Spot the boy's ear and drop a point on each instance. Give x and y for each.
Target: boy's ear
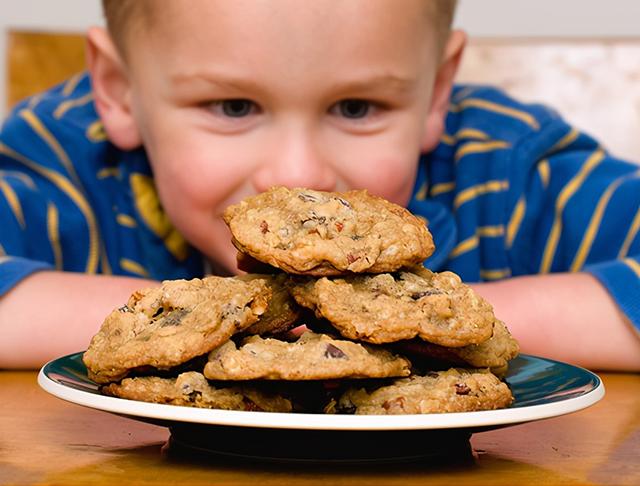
(443, 84)
(111, 89)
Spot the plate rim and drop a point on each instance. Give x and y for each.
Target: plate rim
(315, 421)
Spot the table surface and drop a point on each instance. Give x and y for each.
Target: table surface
(45, 440)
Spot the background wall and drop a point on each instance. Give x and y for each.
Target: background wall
(580, 56)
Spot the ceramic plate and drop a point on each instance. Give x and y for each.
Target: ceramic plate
(542, 389)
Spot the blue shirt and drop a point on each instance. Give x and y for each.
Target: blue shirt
(510, 190)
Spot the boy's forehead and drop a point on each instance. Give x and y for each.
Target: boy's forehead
(278, 23)
(177, 15)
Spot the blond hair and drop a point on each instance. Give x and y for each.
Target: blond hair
(124, 15)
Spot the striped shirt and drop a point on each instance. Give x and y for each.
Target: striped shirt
(510, 190)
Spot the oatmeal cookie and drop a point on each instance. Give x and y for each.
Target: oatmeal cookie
(436, 307)
(283, 310)
(494, 353)
(454, 390)
(302, 231)
(191, 389)
(165, 326)
(311, 357)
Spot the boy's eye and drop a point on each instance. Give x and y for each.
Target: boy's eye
(235, 108)
(354, 108)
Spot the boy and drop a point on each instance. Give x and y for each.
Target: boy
(230, 98)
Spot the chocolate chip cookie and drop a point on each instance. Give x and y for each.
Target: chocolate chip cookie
(191, 389)
(283, 311)
(384, 308)
(308, 232)
(454, 390)
(165, 326)
(494, 353)
(311, 357)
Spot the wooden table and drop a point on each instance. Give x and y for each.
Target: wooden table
(44, 440)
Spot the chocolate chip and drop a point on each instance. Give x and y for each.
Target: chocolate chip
(307, 197)
(158, 312)
(343, 202)
(462, 389)
(424, 293)
(394, 403)
(334, 352)
(173, 318)
(352, 258)
(124, 308)
(264, 227)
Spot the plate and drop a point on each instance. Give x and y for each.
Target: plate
(542, 389)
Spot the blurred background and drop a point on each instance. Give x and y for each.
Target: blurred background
(580, 56)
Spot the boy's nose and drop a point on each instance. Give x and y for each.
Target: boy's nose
(295, 160)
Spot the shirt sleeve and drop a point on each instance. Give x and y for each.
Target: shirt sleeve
(580, 211)
(42, 225)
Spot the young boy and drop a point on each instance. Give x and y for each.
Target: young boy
(210, 101)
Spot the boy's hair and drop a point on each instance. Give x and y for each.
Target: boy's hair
(123, 15)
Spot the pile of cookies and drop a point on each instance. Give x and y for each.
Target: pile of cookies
(336, 315)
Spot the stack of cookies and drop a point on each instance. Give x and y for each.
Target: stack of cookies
(342, 318)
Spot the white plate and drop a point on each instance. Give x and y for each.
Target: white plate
(542, 388)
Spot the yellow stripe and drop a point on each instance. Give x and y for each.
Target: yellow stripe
(490, 231)
(126, 220)
(594, 224)
(478, 147)
(495, 274)
(38, 127)
(28, 181)
(34, 100)
(65, 186)
(421, 195)
(570, 189)
(471, 133)
(464, 133)
(464, 246)
(96, 132)
(133, 267)
(496, 108)
(515, 221)
(106, 268)
(631, 235)
(544, 172)
(13, 201)
(441, 188)
(108, 172)
(479, 190)
(564, 141)
(71, 84)
(448, 139)
(634, 265)
(54, 235)
(68, 104)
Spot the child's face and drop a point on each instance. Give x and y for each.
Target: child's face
(231, 98)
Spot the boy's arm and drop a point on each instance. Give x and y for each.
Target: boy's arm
(566, 316)
(50, 314)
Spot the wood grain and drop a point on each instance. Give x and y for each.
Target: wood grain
(44, 440)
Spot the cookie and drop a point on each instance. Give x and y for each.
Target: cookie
(311, 357)
(454, 390)
(494, 353)
(308, 232)
(384, 308)
(192, 390)
(283, 311)
(165, 326)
